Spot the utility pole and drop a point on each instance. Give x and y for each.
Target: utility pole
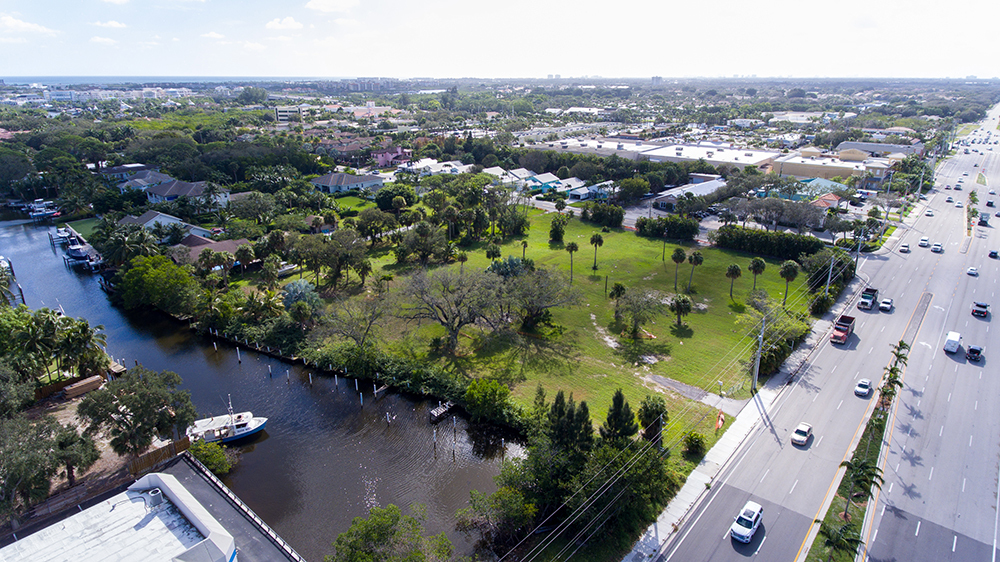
(760, 348)
(829, 275)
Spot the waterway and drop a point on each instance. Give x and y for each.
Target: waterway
(325, 458)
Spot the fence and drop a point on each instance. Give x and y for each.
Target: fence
(156, 456)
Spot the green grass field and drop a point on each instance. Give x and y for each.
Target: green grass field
(586, 353)
(84, 227)
(981, 179)
(354, 203)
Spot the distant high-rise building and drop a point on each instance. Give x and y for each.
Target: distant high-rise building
(550, 77)
(657, 80)
(970, 77)
(558, 76)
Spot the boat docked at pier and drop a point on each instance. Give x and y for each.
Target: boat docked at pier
(226, 428)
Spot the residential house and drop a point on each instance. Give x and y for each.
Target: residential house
(126, 171)
(337, 182)
(599, 191)
(391, 156)
(191, 248)
(150, 219)
(171, 190)
(143, 180)
(545, 182)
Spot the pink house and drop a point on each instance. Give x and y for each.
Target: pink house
(392, 156)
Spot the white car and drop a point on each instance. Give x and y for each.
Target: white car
(802, 434)
(950, 199)
(904, 248)
(885, 305)
(864, 388)
(924, 242)
(958, 203)
(747, 522)
(928, 213)
(972, 271)
(937, 248)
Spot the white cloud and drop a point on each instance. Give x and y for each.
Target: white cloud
(110, 23)
(12, 40)
(103, 40)
(10, 23)
(213, 35)
(346, 22)
(253, 46)
(332, 5)
(116, 1)
(279, 38)
(287, 23)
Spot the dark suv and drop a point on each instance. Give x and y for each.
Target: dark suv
(980, 309)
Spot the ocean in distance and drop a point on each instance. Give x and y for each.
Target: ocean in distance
(109, 80)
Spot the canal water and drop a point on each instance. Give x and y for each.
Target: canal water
(325, 458)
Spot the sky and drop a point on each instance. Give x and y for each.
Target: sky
(499, 39)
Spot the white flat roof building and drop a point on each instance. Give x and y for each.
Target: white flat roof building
(714, 155)
(155, 520)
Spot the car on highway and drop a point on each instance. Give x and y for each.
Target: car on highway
(950, 199)
(928, 213)
(863, 388)
(990, 203)
(885, 305)
(958, 187)
(747, 522)
(993, 192)
(937, 248)
(980, 309)
(994, 254)
(904, 248)
(958, 203)
(802, 434)
(965, 173)
(972, 271)
(974, 353)
(924, 242)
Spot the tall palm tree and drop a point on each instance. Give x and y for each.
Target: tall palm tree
(757, 266)
(695, 259)
(596, 240)
(6, 281)
(789, 271)
(844, 539)
(899, 354)
(678, 257)
(680, 305)
(524, 248)
(862, 473)
(571, 248)
(733, 272)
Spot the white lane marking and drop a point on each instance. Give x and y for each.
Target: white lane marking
(883, 511)
(917, 533)
(817, 396)
(834, 368)
(918, 403)
(818, 442)
(963, 485)
(956, 368)
(897, 467)
(970, 440)
(874, 536)
(941, 431)
(841, 404)
(882, 330)
(931, 475)
(977, 405)
(949, 397)
(890, 488)
(793, 487)
(870, 351)
(954, 541)
(760, 545)
(765, 475)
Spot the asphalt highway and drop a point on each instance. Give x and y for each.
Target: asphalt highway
(941, 471)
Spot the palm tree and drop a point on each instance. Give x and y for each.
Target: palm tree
(695, 260)
(862, 473)
(571, 247)
(617, 292)
(363, 268)
(524, 248)
(493, 252)
(844, 539)
(757, 266)
(899, 354)
(680, 305)
(596, 240)
(678, 257)
(6, 280)
(789, 271)
(244, 255)
(733, 272)
(461, 258)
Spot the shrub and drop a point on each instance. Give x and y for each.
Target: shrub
(671, 226)
(694, 444)
(782, 245)
(212, 456)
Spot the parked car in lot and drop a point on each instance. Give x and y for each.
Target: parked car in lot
(747, 522)
(802, 434)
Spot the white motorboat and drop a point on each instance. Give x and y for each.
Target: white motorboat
(227, 427)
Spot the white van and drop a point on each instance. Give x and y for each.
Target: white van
(952, 341)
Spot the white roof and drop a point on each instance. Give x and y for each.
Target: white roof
(710, 153)
(545, 178)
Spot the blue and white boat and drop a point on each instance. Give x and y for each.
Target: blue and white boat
(226, 428)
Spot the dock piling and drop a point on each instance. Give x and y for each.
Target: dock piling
(239, 359)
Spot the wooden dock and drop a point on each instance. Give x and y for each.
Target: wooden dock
(441, 411)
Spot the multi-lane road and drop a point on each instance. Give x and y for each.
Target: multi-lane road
(941, 470)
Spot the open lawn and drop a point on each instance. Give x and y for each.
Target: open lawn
(354, 203)
(84, 227)
(585, 352)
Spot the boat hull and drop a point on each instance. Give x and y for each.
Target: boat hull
(246, 434)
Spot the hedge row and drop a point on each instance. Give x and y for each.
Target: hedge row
(672, 227)
(780, 245)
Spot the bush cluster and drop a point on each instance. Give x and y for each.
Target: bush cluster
(672, 227)
(781, 245)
